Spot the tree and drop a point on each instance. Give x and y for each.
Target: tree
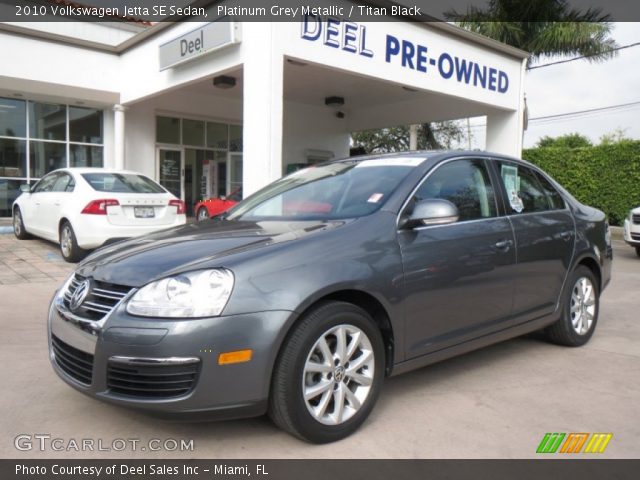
(619, 135)
(543, 28)
(431, 136)
(571, 140)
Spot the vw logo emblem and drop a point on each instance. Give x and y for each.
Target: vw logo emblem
(79, 295)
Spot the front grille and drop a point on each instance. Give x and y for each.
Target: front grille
(636, 218)
(151, 381)
(75, 363)
(102, 299)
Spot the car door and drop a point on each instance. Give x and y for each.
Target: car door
(34, 215)
(55, 200)
(544, 230)
(458, 278)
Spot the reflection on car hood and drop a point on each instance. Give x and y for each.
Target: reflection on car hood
(140, 260)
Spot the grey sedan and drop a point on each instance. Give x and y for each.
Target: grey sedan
(302, 298)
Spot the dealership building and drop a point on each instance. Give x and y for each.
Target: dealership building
(207, 107)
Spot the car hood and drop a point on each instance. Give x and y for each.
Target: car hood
(140, 260)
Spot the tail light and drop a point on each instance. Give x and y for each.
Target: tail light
(99, 207)
(180, 205)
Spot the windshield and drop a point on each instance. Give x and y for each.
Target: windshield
(122, 183)
(337, 190)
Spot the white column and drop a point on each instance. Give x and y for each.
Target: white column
(506, 129)
(118, 136)
(413, 137)
(262, 106)
(504, 133)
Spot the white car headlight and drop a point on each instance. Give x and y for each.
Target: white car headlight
(202, 293)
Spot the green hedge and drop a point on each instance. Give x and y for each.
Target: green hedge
(605, 176)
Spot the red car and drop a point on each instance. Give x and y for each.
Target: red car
(215, 206)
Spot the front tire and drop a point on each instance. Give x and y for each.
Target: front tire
(69, 248)
(638, 251)
(580, 310)
(329, 373)
(18, 226)
(203, 214)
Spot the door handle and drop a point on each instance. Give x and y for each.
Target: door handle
(565, 236)
(504, 245)
(57, 204)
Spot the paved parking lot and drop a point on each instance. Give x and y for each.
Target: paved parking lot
(494, 403)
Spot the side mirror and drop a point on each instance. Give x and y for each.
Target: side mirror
(433, 211)
(25, 188)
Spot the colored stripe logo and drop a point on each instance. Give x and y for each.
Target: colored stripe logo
(574, 442)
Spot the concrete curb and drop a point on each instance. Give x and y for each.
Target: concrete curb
(5, 230)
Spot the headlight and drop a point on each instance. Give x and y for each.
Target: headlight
(203, 293)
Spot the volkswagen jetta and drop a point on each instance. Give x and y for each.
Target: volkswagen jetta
(303, 297)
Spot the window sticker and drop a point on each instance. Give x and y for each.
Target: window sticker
(375, 198)
(511, 182)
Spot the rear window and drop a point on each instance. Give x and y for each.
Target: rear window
(122, 183)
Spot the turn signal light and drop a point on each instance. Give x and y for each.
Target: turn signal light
(99, 207)
(239, 356)
(180, 205)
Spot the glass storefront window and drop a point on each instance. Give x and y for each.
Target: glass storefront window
(9, 191)
(168, 130)
(217, 135)
(85, 125)
(235, 138)
(46, 157)
(85, 156)
(193, 132)
(13, 158)
(13, 117)
(47, 121)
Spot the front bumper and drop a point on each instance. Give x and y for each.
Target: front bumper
(631, 233)
(218, 391)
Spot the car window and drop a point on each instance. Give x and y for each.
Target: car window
(46, 184)
(525, 193)
(64, 183)
(555, 199)
(466, 184)
(122, 183)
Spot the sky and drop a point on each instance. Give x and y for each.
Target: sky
(583, 85)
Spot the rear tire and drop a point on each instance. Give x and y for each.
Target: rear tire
(18, 225)
(329, 373)
(203, 214)
(581, 304)
(69, 248)
(638, 251)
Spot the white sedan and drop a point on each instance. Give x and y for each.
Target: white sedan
(85, 208)
(632, 229)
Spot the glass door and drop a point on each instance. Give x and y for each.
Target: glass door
(170, 170)
(235, 172)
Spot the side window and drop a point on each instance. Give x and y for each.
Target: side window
(46, 184)
(64, 183)
(555, 199)
(466, 184)
(524, 191)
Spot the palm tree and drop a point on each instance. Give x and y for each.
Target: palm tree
(543, 28)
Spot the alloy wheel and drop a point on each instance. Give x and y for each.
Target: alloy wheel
(338, 374)
(65, 241)
(583, 305)
(17, 223)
